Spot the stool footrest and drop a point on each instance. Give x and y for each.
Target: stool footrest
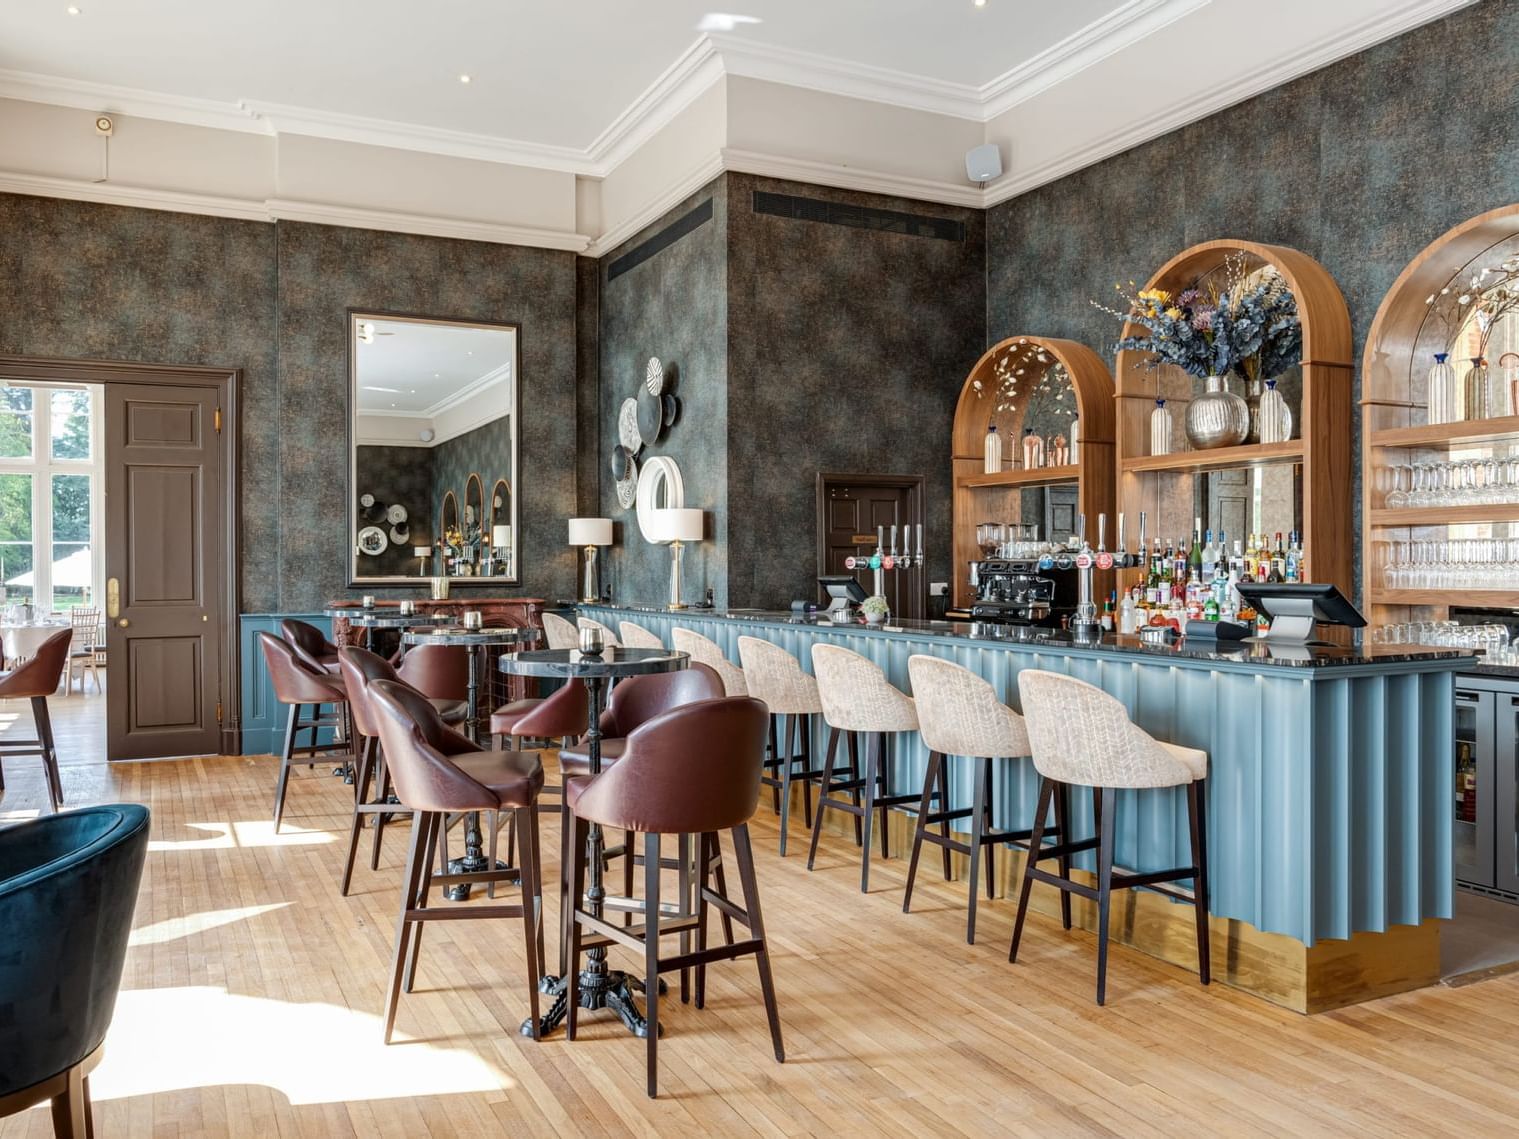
(463, 913)
(628, 936)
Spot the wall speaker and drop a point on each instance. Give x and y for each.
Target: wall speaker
(983, 163)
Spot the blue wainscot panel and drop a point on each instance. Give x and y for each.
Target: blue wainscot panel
(263, 717)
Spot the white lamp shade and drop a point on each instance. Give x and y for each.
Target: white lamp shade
(683, 524)
(590, 531)
(421, 551)
(501, 535)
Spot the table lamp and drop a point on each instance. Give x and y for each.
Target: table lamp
(588, 533)
(501, 544)
(677, 526)
(421, 553)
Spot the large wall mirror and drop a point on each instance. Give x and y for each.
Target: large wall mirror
(433, 420)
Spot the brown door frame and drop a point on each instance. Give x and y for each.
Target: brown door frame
(913, 484)
(228, 382)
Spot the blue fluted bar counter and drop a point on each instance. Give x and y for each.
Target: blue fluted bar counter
(1329, 790)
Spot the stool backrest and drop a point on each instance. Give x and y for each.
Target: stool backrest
(308, 642)
(638, 699)
(856, 695)
(608, 637)
(439, 671)
(1079, 734)
(418, 746)
(564, 712)
(295, 681)
(559, 633)
(705, 650)
(359, 668)
(959, 712)
(692, 770)
(776, 677)
(40, 674)
(635, 636)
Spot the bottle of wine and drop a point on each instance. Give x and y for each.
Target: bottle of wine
(1195, 554)
(1210, 558)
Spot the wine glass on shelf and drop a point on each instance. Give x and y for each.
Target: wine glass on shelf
(1402, 476)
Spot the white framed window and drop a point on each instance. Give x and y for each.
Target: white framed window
(52, 494)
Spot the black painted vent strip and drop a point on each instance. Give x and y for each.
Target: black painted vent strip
(859, 217)
(662, 240)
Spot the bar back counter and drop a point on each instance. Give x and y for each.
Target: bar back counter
(1329, 822)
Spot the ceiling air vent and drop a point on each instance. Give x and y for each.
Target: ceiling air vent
(859, 217)
(660, 241)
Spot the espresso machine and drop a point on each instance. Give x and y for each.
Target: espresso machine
(1016, 591)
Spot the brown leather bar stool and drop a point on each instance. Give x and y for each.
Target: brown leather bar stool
(694, 770)
(1081, 735)
(310, 644)
(959, 715)
(561, 715)
(36, 680)
(359, 668)
(301, 686)
(775, 676)
(438, 772)
(858, 700)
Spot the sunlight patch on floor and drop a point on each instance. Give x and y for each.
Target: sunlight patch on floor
(247, 833)
(171, 928)
(166, 1039)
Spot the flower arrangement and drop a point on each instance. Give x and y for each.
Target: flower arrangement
(875, 608)
(1028, 368)
(1478, 301)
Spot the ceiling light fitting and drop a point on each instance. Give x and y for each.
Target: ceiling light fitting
(464, 78)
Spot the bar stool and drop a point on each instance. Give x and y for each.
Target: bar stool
(559, 633)
(359, 668)
(694, 770)
(301, 686)
(635, 636)
(857, 698)
(959, 715)
(705, 651)
(310, 644)
(1081, 735)
(439, 772)
(36, 680)
(608, 637)
(776, 677)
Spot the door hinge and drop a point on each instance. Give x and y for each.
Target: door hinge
(218, 421)
(218, 711)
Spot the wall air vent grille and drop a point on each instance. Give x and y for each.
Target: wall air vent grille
(662, 240)
(858, 217)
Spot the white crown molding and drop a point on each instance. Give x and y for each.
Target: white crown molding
(682, 189)
(497, 376)
(677, 87)
(82, 95)
(1351, 40)
(851, 178)
(142, 197)
(321, 213)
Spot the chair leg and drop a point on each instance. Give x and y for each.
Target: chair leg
(783, 791)
(705, 845)
(980, 768)
(361, 782)
(805, 731)
(1104, 887)
(416, 859)
(382, 794)
(577, 891)
(438, 824)
(1046, 790)
(566, 877)
(823, 794)
(532, 909)
(872, 772)
(1197, 816)
(930, 776)
(853, 739)
(944, 826)
(293, 724)
(775, 753)
(651, 955)
(71, 1108)
(683, 876)
(884, 753)
(1063, 836)
(744, 852)
(49, 752)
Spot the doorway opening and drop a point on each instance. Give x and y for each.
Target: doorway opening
(853, 509)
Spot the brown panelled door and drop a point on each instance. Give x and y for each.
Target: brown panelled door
(851, 508)
(164, 583)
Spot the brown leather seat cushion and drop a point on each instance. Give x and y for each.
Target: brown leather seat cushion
(505, 718)
(577, 760)
(452, 711)
(514, 777)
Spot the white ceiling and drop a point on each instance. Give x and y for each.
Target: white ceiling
(427, 365)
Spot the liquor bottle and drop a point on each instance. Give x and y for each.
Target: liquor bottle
(1279, 560)
(1128, 612)
(1294, 558)
(1210, 608)
(1107, 613)
(1210, 558)
(1195, 554)
(1179, 567)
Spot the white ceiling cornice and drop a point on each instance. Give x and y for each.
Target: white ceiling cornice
(84, 96)
(677, 87)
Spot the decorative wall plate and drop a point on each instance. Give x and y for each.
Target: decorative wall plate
(372, 541)
(672, 409)
(659, 486)
(400, 535)
(622, 463)
(396, 514)
(627, 487)
(654, 376)
(627, 426)
(651, 416)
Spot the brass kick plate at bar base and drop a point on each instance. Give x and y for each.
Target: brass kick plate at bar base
(112, 598)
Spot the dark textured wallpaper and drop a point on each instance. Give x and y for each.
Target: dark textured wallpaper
(673, 305)
(400, 476)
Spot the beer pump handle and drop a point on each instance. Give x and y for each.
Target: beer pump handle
(1143, 545)
(880, 537)
(893, 550)
(1081, 530)
(1123, 538)
(1102, 532)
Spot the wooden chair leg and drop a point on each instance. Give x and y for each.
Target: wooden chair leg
(943, 789)
(566, 877)
(1197, 817)
(71, 1108)
(683, 879)
(886, 748)
(651, 955)
(416, 859)
(823, 795)
(930, 776)
(532, 909)
(1046, 790)
(775, 753)
(805, 731)
(872, 772)
(744, 853)
(1104, 888)
(1063, 836)
(49, 752)
(292, 726)
(783, 791)
(705, 844)
(979, 768)
(361, 781)
(382, 795)
(854, 777)
(438, 824)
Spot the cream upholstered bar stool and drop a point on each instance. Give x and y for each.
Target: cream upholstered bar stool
(559, 633)
(704, 650)
(859, 700)
(776, 677)
(608, 637)
(1081, 735)
(959, 714)
(635, 636)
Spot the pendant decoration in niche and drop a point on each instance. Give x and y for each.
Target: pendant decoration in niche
(643, 419)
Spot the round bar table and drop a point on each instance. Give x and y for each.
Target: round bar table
(371, 619)
(477, 641)
(599, 987)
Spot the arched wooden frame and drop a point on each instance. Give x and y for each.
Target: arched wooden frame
(474, 495)
(1395, 427)
(501, 504)
(1093, 474)
(1323, 446)
(448, 518)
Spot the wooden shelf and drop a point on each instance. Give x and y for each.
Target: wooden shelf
(1482, 598)
(1040, 476)
(1443, 515)
(1247, 455)
(1501, 429)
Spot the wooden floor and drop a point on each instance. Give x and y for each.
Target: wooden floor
(252, 993)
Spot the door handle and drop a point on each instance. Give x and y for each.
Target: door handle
(112, 598)
(123, 623)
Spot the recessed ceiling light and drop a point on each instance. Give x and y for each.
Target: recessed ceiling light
(74, 10)
(979, 3)
(464, 79)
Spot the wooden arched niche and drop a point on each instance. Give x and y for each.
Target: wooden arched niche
(1165, 486)
(982, 497)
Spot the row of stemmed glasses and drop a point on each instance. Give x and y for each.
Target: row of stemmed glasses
(1457, 482)
(1451, 563)
(1490, 639)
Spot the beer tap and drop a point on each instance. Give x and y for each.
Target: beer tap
(1084, 625)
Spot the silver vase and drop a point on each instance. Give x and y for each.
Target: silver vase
(1217, 418)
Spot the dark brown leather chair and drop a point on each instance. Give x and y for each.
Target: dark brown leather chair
(358, 668)
(310, 644)
(438, 671)
(635, 701)
(694, 770)
(438, 772)
(36, 680)
(302, 687)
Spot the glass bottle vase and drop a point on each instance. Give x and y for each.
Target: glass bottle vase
(1160, 429)
(1275, 416)
(1217, 418)
(992, 464)
(1473, 393)
(1253, 402)
(1440, 394)
(1499, 398)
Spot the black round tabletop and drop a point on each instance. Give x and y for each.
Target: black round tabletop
(610, 662)
(390, 619)
(500, 636)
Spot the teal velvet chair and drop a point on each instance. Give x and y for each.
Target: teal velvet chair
(68, 886)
